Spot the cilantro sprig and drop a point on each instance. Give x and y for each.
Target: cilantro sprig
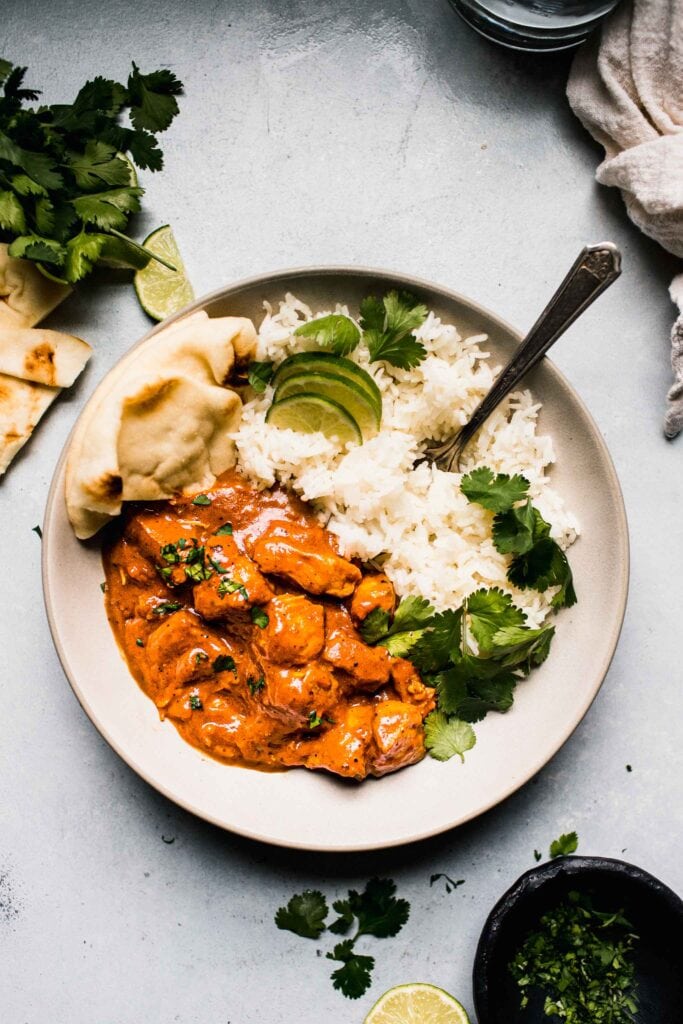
(67, 190)
(538, 561)
(376, 911)
(388, 325)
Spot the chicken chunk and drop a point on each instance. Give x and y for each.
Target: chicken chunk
(156, 532)
(236, 584)
(373, 592)
(295, 632)
(410, 687)
(345, 650)
(299, 697)
(398, 737)
(183, 651)
(304, 555)
(342, 748)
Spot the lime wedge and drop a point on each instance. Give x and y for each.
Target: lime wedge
(325, 362)
(417, 1004)
(162, 291)
(342, 390)
(309, 413)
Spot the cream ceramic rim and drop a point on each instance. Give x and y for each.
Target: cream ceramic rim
(355, 818)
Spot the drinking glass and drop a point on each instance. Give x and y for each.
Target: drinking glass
(534, 24)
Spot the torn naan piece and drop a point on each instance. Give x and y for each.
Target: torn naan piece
(159, 423)
(41, 356)
(26, 296)
(22, 403)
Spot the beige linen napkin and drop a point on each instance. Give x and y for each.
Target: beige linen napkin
(626, 87)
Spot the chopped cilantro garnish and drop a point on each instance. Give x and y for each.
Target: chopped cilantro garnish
(196, 702)
(388, 329)
(537, 855)
(166, 607)
(224, 663)
(230, 587)
(103, 586)
(201, 499)
(255, 685)
(259, 618)
(578, 963)
(565, 844)
(37, 529)
(224, 531)
(314, 720)
(451, 886)
(200, 656)
(496, 492)
(140, 642)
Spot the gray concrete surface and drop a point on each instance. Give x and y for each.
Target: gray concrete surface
(328, 131)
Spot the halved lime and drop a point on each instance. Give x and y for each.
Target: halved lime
(417, 1004)
(343, 390)
(162, 291)
(308, 413)
(325, 362)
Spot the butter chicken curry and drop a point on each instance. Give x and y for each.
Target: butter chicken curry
(238, 618)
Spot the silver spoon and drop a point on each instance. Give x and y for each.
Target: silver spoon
(596, 267)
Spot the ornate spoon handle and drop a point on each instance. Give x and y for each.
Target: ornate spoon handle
(595, 269)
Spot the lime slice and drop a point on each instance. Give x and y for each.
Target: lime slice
(417, 1004)
(162, 291)
(342, 390)
(307, 413)
(325, 362)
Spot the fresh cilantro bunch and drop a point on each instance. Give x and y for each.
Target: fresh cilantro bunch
(67, 190)
(375, 911)
(538, 561)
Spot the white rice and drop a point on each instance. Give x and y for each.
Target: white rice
(429, 539)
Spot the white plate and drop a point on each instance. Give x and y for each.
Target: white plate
(313, 810)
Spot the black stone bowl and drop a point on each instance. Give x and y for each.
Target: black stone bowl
(654, 910)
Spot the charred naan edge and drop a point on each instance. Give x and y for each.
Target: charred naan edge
(26, 296)
(45, 357)
(22, 403)
(159, 423)
(34, 364)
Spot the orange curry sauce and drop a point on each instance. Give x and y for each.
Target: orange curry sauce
(239, 619)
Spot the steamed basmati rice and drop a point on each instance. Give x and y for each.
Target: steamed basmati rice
(414, 522)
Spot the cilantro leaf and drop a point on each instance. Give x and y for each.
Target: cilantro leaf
(304, 914)
(224, 531)
(354, 978)
(375, 626)
(152, 98)
(12, 217)
(345, 919)
(41, 167)
(496, 492)
(259, 375)
(545, 565)
(513, 531)
(446, 737)
(35, 247)
(435, 648)
(335, 333)
(519, 644)
(224, 663)
(487, 612)
(567, 843)
(400, 645)
(99, 165)
(412, 613)
(389, 335)
(259, 617)
(108, 209)
(82, 253)
(378, 910)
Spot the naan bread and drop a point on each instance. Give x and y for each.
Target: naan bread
(34, 364)
(45, 357)
(159, 423)
(26, 296)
